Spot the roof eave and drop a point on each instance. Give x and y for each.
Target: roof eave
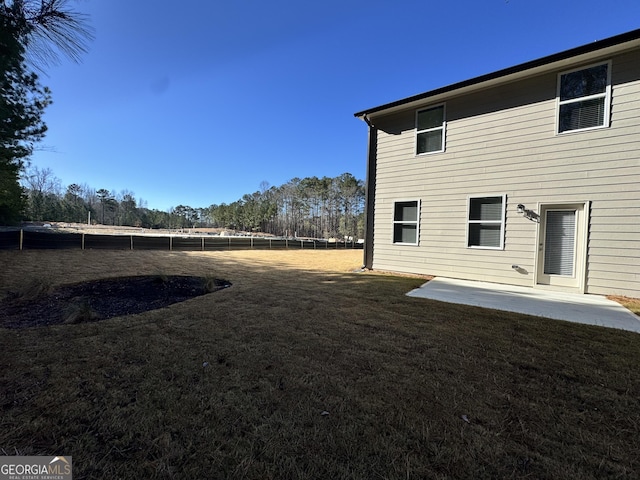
(576, 55)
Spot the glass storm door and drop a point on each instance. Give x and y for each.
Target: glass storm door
(560, 246)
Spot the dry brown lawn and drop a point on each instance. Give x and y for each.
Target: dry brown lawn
(633, 304)
(307, 369)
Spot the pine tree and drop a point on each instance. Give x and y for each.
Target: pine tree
(22, 103)
(42, 30)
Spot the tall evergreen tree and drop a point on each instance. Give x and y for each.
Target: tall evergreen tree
(22, 103)
(44, 29)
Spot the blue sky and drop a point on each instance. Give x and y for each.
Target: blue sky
(199, 101)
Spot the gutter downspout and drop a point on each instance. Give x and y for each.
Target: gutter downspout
(370, 186)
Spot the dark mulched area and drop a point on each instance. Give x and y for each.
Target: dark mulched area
(102, 299)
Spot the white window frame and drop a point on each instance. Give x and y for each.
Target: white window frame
(404, 222)
(501, 222)
(606, 95)
(442, 127)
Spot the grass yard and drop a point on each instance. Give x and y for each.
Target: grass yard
(305, 369)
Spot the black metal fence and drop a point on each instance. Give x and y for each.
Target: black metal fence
(35, 240)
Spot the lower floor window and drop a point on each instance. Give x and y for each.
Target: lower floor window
(486, 222)
(405, 222)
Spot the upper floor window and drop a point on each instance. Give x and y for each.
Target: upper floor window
(485, 223)
(430, 129)
(584, 97)
(405, 222)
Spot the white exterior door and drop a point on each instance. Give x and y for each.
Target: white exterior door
(562, 246)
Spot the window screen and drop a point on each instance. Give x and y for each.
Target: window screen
(405, 222)
(486, 222)
(584, 98)
(430, 130)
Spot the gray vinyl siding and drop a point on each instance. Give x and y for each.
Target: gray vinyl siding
(503, 141)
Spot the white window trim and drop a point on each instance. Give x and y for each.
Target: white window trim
(443, 128)
(398, 222)
(502, 220)
(606, 95)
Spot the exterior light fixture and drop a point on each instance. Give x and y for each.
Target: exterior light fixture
(521, 208)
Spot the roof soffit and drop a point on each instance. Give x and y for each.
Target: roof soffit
(493, 80)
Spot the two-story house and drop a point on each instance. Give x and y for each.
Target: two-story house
(527, 176)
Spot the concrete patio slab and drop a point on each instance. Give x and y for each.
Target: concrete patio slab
(588, 309)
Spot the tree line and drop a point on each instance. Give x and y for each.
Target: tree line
(309, 207)
(35, 34)
(327, 207)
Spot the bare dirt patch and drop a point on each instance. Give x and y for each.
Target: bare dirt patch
(96, 300)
